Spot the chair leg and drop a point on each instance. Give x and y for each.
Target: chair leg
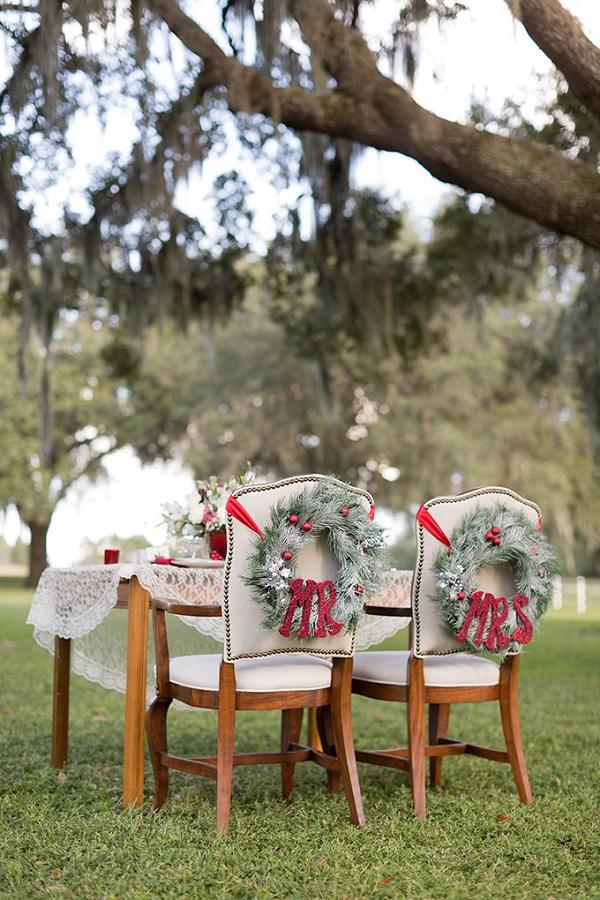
(439, 714)
(341, 711)
(156, 731)
(509, 713)
(416, 734)
(291, 725)
(225, 738)
(314, 737)
(328, 743)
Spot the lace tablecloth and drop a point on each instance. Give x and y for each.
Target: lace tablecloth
(78, 603)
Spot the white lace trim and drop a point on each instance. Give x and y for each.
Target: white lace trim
(78, 603)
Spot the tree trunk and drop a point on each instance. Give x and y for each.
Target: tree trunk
(535, 180)
(560, 35)
(38, 560)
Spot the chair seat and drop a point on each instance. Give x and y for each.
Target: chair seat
(457, 670)
(282, 672)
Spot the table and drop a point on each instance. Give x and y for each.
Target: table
(71, 617)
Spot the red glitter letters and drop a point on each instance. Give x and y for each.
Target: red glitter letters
(302, 597)
(492, 636)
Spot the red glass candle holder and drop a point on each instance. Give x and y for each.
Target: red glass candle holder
(217, 541)
(111, 556)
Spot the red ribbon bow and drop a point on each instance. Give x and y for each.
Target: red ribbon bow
(235, 509)
(425, 519)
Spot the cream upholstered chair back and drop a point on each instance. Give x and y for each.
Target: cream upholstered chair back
(431, 636)
(245, 635)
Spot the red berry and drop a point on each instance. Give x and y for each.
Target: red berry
(489, 536)
(293, 519)
(359, 589)
(307, 526)
(460, 595)
(215, 555)
(495, 530)
(344, 511)
(287, 555)
(497, 542)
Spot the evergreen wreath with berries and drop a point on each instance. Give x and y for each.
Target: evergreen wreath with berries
(355, 541)
(494, 536)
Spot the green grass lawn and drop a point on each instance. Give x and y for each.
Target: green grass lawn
(64, 834)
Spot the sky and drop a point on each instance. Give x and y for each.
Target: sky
(485, 57)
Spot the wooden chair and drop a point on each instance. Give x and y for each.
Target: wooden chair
(436, 673)
(259, 670)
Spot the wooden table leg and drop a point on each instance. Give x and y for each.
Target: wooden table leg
(60, 702)
(135, 694)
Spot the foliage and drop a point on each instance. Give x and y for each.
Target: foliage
(97, 403)
(484, 405)
(484, 398)
(127, 219)
(505, 249)
(65, 833)
(581, 328)
(85, 417)
(343, 271)
(357, 289)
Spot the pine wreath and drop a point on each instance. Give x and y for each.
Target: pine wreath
(494, 536)
(354, 539)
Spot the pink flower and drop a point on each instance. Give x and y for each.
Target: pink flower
(207, 517)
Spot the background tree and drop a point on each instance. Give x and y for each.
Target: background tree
(478, 395)
(302, 93)
(339, 89)
(365, 312)
(485, 403)
(103, 398)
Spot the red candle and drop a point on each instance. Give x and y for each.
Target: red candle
(111, 556)
(217, 541)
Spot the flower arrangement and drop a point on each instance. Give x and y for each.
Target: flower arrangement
(203, 512)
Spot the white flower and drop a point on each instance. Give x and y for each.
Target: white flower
(172, 512)
(220, 511)
(195, 510)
